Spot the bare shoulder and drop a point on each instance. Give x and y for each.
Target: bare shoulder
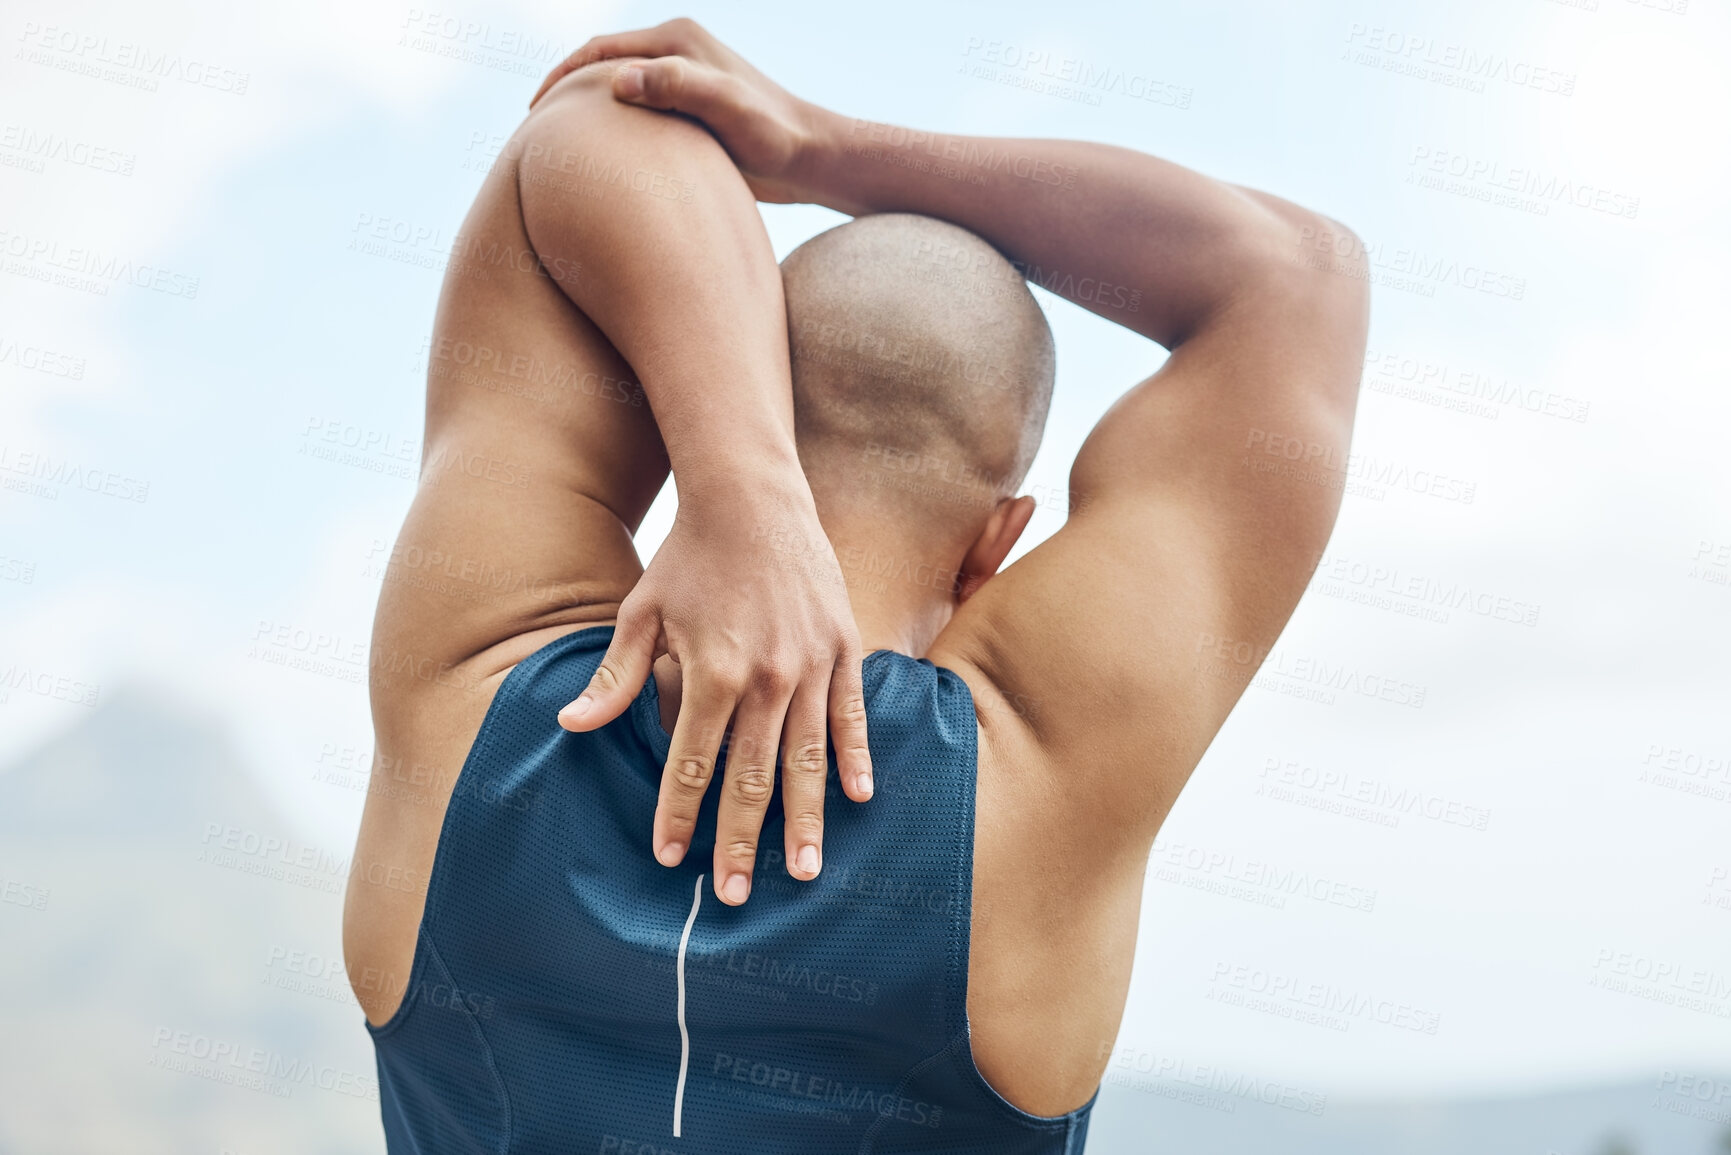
(1186, 528)
(1081, 660)
(1094, 707)
(1089, 724)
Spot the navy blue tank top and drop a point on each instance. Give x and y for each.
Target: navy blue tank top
(571, 996)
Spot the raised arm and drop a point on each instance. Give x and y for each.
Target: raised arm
(675, 268)
(1203, 499)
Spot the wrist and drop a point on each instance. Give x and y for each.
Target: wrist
(771, 485)
(757, 512)
(829, 160)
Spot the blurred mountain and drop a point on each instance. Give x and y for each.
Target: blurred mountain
(170, 954)
(1207, 1112)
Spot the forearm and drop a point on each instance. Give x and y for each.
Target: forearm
(649, 229)
(1144, 242)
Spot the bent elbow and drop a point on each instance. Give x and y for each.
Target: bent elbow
(1328, 254)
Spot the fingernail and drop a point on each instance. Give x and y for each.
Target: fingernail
(736, 888)
(670, 853)
(864, 782)
(576, 710)
(631, 82)
(808, 860)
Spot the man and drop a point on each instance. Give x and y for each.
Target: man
(942, 968)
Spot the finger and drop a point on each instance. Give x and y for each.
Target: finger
(662, 40)
(620, 676)
(673, 83)
(847, 726)
(804, 771)
(746, 787)
(704, 709)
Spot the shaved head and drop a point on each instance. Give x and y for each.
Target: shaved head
(922, 370)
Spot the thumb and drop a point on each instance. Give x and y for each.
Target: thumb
(620, 676)
(673, 83)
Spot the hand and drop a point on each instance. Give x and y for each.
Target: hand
(746, 595)
(764, 128)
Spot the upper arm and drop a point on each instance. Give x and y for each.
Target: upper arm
(541, 455)
(609, 249)
(1201, 504)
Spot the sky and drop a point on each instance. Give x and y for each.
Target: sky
(1512, 869)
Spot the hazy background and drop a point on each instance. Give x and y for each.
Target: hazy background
(1530, 856)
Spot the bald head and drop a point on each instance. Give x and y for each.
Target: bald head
(922, 370)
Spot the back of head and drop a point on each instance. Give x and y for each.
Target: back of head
(922, 371)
